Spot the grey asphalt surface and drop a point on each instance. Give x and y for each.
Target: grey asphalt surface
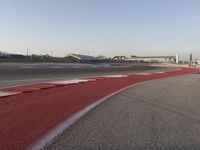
(157, 115)
(22, 76)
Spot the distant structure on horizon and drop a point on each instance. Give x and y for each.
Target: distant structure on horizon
(190, 57)
(149, 59)
(177, 58)
(78, 58)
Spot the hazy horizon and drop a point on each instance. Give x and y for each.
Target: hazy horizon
(106, 27)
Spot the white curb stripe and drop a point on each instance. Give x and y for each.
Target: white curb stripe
(160, 72)
(142, 74)
(3, 94)
(114, 76)
(73, 81)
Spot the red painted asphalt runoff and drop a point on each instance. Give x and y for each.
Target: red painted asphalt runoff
(26, 117)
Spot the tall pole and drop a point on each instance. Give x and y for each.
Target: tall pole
(27, 51)
(51, 53)
(190, 57)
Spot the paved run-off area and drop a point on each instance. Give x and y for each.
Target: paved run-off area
(157, 115)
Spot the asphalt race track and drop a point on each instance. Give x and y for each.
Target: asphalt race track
(157, 115)
(29, 115)
(16, 75)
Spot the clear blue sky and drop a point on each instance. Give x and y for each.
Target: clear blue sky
(108, 27)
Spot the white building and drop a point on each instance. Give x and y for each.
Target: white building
(159, 59)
